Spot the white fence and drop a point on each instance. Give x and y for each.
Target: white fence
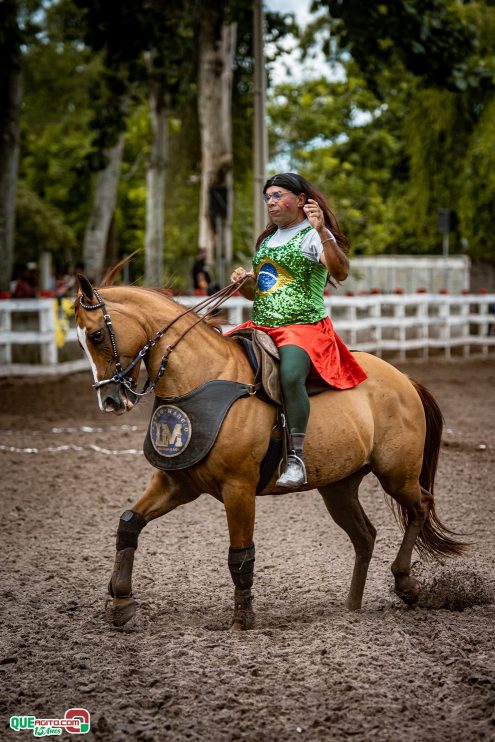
(393, 325)
(33, 322)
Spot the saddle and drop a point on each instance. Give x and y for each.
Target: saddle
(264, 358)
(263, 355)
(183, 430)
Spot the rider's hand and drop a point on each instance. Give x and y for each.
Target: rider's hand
(314, 214)
(239, 274)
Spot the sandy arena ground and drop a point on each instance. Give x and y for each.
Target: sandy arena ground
(310, 670)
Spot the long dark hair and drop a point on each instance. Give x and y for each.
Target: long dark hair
(297, 184)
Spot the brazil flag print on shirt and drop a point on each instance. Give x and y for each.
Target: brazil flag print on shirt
(270, 276)
(289, 286)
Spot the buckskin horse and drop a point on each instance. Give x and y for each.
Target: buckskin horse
(389, 425)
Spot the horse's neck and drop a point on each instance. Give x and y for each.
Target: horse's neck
(201, 355)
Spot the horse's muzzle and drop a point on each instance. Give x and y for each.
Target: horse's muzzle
(116, 398)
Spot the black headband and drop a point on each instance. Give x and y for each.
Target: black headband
(290, 181)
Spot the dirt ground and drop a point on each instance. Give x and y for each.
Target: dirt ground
(310, 670)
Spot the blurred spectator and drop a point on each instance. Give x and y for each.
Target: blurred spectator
(25, 286)
(67, 284)
(200, 274)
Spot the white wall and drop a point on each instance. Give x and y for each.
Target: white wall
(388, 273)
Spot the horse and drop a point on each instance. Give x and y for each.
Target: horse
(389, 425)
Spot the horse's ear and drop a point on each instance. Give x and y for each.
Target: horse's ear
(86, 287)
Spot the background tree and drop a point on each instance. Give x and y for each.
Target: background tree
(442, 56)
(69, 117)
(11, 39)
(170, 65)
(405, 127)
(118, 35)
(217, 44)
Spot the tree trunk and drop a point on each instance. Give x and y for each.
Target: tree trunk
(104, 201)
(155, 180)
(10, 104)
(216, 59)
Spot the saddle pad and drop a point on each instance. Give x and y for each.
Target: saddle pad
(182, 430)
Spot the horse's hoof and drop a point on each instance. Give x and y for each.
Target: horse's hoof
(242, 624)
(119, 611)
(411, 594)
(351, 605)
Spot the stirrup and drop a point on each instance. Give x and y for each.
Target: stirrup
(295, 473)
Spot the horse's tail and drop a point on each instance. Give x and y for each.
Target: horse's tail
(433, 438)
(434, 540)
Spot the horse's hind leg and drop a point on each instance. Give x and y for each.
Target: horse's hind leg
(341, 500)
(415, 505)
(161, 496)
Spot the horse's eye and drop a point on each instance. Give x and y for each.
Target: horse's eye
(97, 337)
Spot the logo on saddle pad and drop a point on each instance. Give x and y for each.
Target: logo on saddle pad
(170, 430)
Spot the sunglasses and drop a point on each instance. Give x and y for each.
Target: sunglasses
(276, 195)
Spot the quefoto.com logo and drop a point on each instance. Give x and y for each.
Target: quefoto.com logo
(75, 721)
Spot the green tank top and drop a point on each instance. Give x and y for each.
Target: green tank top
(289, 286)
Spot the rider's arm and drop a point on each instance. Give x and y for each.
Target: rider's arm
(333, 257)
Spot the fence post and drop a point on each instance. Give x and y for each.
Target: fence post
(47, 326)
(376, 313)
(400, 331)
(5, 326)
(465, 311)
(484, 324)
(423, 334)
(352, 314)
(444, 313)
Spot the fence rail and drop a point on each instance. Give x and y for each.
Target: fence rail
(395, 325)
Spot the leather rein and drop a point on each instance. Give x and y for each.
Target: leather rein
(121, 375)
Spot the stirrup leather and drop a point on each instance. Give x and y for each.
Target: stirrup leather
(295, 473)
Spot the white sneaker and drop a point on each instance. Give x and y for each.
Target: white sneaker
(295, 474)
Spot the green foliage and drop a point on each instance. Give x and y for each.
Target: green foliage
(39, 220)
(477, 201)
(87, 77)
(345, 141)
(55, 132)
(430, 37)
(131, 201)
(431, 66)
(405, 130)
(437, 134)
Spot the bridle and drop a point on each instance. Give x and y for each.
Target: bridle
(121, 375)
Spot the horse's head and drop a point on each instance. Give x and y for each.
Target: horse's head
(111, 343)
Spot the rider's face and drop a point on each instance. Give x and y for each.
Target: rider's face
(284, 207)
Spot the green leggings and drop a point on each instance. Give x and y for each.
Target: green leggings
(295, 365)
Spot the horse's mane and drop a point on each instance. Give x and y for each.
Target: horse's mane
(113, 272)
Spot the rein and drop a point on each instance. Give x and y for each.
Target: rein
(121, 375)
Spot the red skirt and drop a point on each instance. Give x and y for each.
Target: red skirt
(329, 355)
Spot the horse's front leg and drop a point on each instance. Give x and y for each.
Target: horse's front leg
(239, 501)
(162, 495)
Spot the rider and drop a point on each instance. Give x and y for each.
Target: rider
(300, 249)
